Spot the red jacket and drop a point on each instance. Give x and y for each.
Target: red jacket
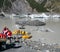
(7, 32)
(2, 35)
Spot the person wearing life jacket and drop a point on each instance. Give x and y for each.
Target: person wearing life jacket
(7, 32)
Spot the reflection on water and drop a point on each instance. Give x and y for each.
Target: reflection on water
(56, 19)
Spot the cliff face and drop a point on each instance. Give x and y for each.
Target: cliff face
(53, 6)
(15, 6)
(23, 6)
(50, 5)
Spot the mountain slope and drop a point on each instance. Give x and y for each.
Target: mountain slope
(29, 6)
